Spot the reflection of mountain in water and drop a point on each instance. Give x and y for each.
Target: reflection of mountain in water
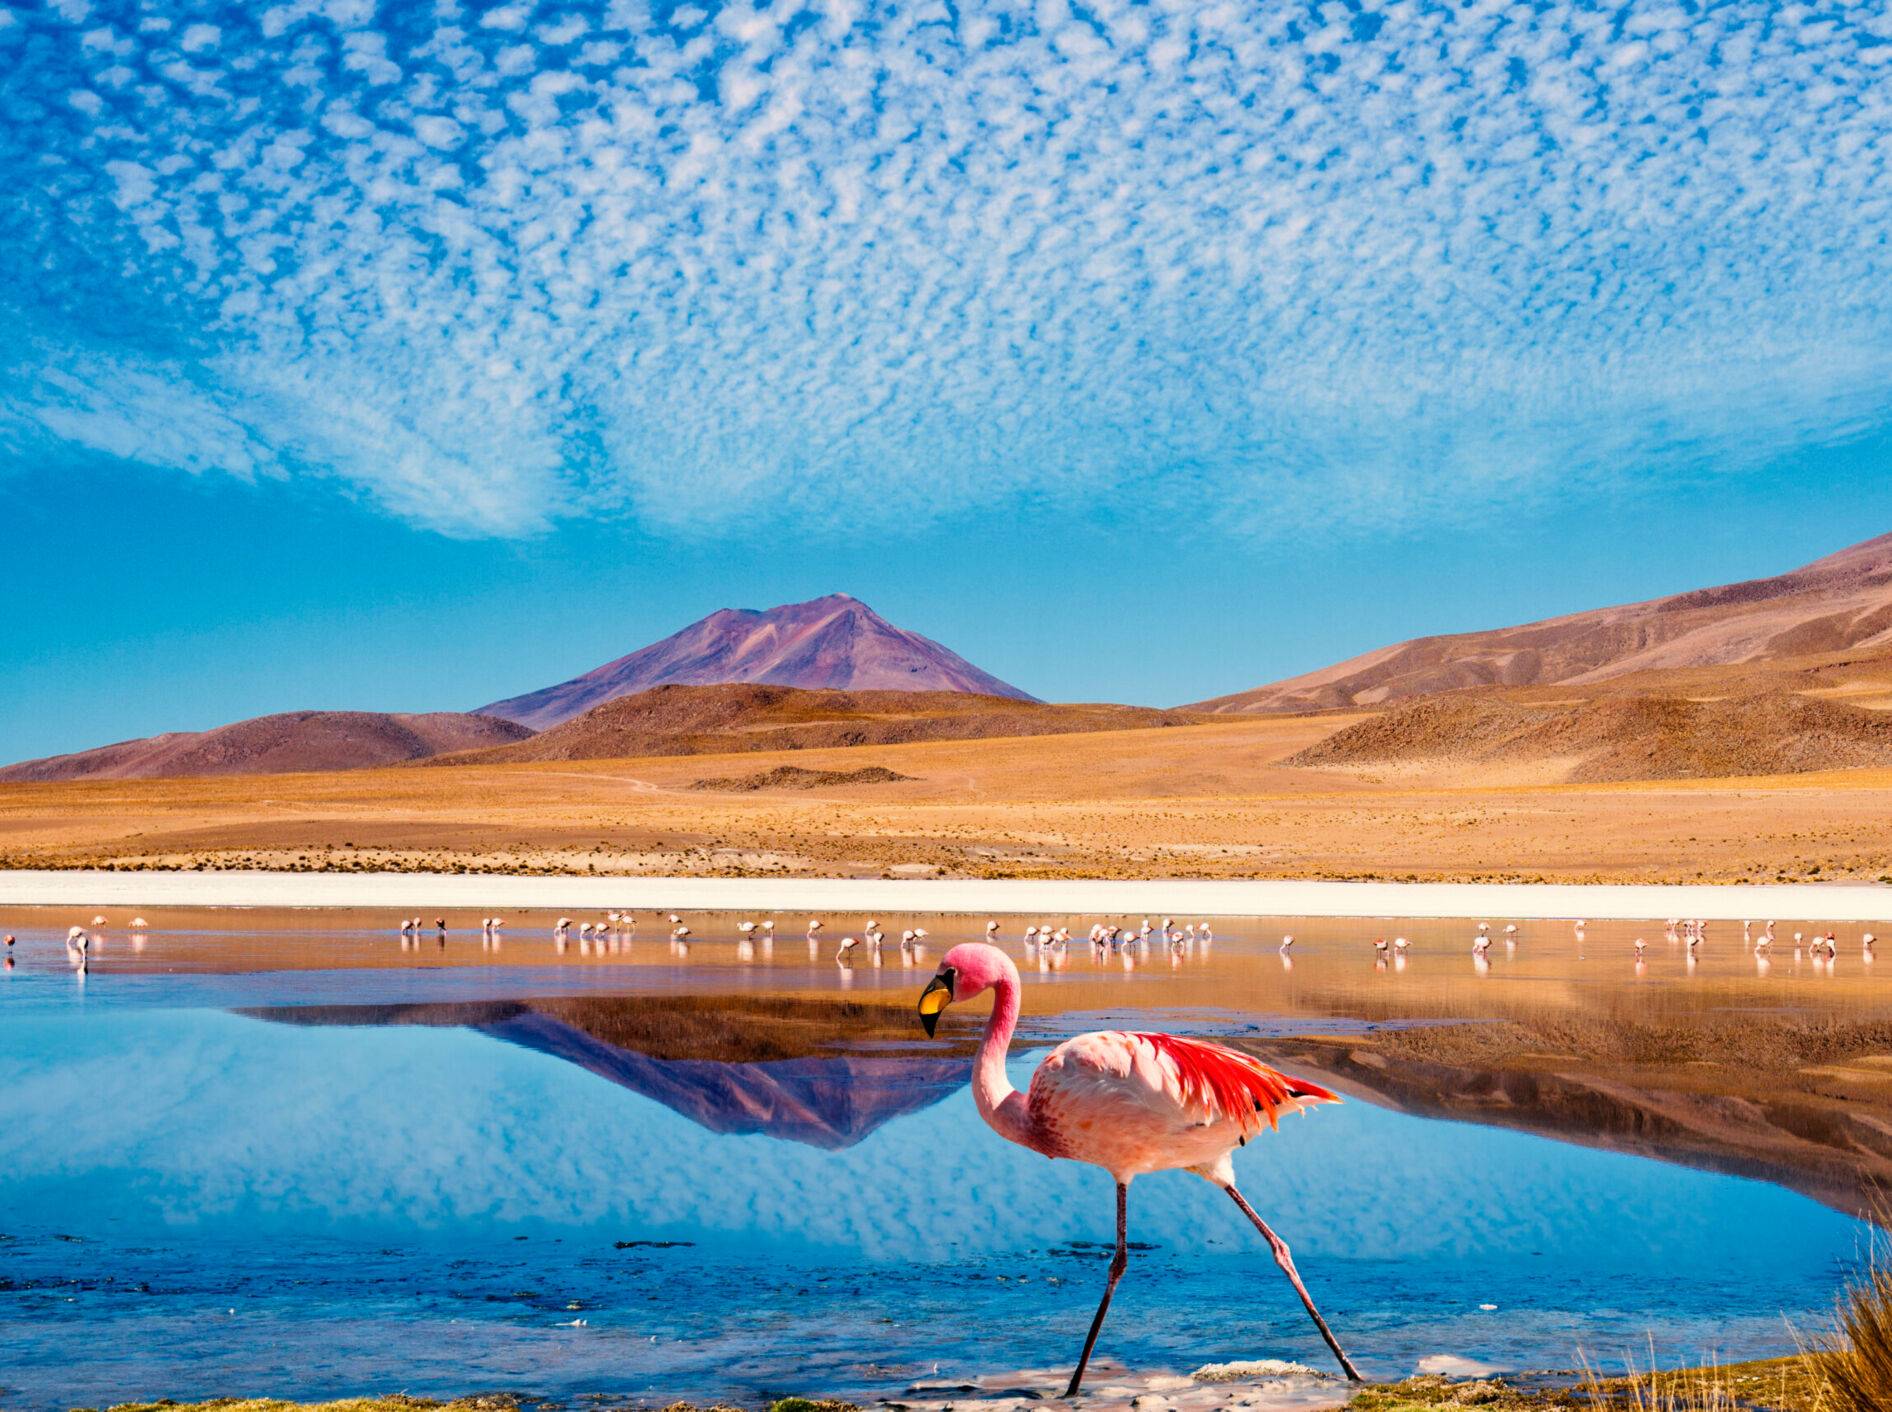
(1821, 1128)
(1803, 1103)
(733, 1066)
(823, 1100)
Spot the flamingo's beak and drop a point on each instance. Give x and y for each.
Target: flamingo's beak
(935, 998)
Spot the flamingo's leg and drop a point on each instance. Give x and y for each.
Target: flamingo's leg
(1286, 1262)
(1117, 1263)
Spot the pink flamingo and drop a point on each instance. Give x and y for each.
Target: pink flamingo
(1129, 1103)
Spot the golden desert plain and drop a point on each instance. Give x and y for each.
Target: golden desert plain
(1210, 799)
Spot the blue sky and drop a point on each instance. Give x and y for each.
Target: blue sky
(411, 356)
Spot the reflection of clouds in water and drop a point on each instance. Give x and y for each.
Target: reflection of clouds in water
(208, 1117)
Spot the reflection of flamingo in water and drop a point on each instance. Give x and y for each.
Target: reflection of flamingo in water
(1129, 1103)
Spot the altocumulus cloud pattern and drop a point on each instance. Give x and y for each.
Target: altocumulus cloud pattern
(497, 265)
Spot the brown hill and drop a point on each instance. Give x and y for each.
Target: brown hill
(716, 720)
(1840, 603)
(291, 742)
(1617, 737)
(836, 642)
(794, 777)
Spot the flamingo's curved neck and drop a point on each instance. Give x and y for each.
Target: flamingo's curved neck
(1001, 1105)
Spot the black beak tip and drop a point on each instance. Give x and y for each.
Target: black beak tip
(930, 1023)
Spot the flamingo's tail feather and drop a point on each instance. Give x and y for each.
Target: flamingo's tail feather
(1231, 1084)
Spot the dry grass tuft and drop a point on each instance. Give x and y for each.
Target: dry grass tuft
(1688, 1390)
(1771, 1385)
(1794, 1384)
(1858, 1367)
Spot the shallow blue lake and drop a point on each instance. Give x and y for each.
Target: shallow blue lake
(238, 1184)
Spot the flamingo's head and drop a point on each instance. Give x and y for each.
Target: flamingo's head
(969, 969)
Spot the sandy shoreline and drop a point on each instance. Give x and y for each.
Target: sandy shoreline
(1199, 898)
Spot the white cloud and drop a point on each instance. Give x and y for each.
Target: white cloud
(133, 409)
(437, 131)
(1279, 267)
(511, 17)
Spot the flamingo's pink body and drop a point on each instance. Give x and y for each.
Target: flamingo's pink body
(1129, 1103)
(1136, 1103)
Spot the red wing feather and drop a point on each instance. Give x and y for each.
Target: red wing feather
(1234, 1085)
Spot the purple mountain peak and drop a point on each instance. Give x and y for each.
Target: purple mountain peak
(835, 641)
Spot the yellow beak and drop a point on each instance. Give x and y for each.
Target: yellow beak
(935, 998)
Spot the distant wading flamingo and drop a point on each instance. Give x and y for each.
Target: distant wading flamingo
(1129, 1103)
